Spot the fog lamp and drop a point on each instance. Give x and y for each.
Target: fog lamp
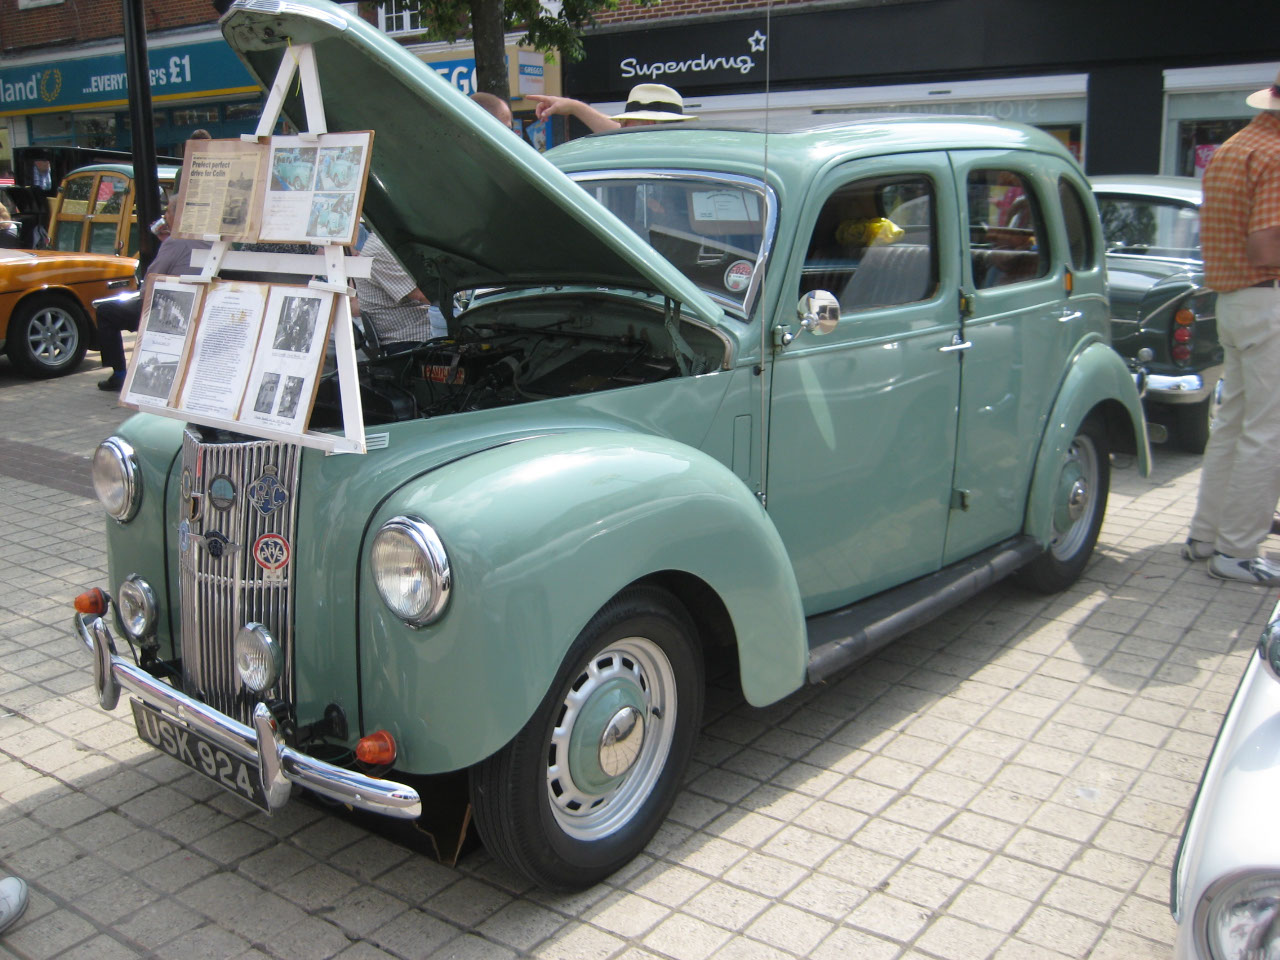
(115, 478)
(259, 659)
(411, 570)
(136, 603)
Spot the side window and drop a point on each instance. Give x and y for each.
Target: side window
(875, 244)
(1007, 241)
(1079, 234)
(75, 196)
(111, 194)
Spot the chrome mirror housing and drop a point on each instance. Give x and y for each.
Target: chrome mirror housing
(818, 312)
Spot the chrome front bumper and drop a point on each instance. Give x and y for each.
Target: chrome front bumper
(1185, 388)
(280, 765)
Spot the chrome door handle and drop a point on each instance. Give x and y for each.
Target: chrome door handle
(957, 345)
(1068, 317)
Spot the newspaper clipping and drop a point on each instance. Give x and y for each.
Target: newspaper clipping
(169, 307)
(225, 340)
(283, 381)
(221, 193)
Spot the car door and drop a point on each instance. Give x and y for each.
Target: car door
(862, 421)
(91, 213)
(1018, 328)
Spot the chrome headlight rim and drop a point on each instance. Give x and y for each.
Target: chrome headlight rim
(256, 639)
(137, 595)
(1269, 647)
(124, 461)
(439, 575)
(1222, 894)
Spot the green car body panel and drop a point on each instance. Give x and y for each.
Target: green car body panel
(766, 469)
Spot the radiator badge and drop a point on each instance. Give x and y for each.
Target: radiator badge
(217, 544)
(184, 536)
(222, 492)
(186, 483)
(271, 553)
(266, 493)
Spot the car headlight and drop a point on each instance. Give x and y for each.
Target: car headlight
(115, 478)
(259, 659)
(411, 570)
(136, 601)
(1240, 918)
(1269, 647)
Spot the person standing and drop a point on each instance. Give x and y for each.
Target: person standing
(1240, 236)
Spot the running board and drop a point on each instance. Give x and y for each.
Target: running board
(845, 636)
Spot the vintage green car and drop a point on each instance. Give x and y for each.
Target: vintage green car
(769, 398)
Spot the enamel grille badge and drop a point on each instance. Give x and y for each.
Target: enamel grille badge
(271, 553)
(266, 493)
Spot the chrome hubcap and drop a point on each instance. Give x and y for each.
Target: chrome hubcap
(622, 740)
(1073, 515)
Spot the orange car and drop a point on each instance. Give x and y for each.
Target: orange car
(46, 305)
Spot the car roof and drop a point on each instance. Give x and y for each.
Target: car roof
(1182, 189)
(124, 169)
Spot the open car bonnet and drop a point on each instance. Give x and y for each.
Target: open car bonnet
(462, 201)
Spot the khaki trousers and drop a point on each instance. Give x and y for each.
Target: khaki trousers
(1240, 476)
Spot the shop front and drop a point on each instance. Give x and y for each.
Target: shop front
(1203, 107)
(83, 100)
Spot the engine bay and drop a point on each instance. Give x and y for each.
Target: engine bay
(520, 349)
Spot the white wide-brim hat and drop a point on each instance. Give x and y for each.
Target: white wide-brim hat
(1267, 98)
(653, 101)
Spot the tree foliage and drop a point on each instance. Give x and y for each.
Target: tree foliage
(549, 27)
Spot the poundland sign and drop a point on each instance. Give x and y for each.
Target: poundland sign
(180, 72)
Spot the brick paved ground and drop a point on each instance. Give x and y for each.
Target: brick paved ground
(1008, 783)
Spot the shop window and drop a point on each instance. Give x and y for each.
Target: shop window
(1197, 141)
(195, 116)
(1007, 241)
(399, 16)
(1079, 233)
(874, 244)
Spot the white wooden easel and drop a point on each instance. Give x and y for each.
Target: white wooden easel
(334, 265)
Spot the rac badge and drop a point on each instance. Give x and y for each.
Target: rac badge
(271, 553)
(266, 493)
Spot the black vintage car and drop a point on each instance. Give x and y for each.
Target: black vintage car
(1158, 298)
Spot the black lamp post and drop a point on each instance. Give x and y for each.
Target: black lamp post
(147, 184)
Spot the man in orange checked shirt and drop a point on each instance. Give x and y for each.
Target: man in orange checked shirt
(1240, 236)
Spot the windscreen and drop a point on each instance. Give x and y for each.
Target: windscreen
(1150, 226)
(714, 230)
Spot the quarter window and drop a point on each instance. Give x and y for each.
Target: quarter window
(1007, 242)
(1079, 234)
(874, 244)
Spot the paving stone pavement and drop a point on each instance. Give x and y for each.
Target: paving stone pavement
(1007, 783)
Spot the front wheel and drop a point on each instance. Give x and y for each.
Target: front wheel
(1079, 502)
(586, 783)
(48, 336)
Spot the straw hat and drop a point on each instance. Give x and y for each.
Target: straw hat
(653, 101)
(1267, 98)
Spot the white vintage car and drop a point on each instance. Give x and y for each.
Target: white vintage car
(1226, 876)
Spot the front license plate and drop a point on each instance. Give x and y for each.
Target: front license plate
(201, 755)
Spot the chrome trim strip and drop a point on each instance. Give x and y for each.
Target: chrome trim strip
(280, 765)
(1186, 383)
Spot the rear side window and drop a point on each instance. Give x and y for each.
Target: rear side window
(1075, 214)
(1007, 240)
(874, 244)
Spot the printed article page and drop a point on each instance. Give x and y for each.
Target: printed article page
(222, 353)
(168, 309)
(286, 370)
(221, 190)
(315, 188)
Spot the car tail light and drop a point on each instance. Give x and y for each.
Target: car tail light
(1183, 335)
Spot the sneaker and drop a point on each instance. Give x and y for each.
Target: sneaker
(1197, 549)
(1245, 569)
(113, 383)
(13, 900)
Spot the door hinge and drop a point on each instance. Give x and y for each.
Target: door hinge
(959, 499)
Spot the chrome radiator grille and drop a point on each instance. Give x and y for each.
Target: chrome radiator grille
(236, 540)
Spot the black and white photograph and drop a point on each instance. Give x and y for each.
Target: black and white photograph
(170, 312)
(153, 376)
(290, 396)
(266, 397)
(297, 324)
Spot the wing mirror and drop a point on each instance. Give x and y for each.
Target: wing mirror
(818, 312)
